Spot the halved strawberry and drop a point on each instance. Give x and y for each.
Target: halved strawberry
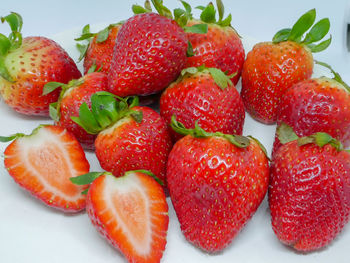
(131, 212)
(43, 162)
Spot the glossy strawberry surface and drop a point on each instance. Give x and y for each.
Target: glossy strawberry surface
(316, 105)
(215, 188)
(309, 194)
(128, 145)
(71, 101)
(39, 60)
(149, 54)
(198, 98)
(220, 47)
(101, 53)
(269, 70)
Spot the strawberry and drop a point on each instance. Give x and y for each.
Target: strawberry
(150, 53)
(131, 212)
(98, 51)
(273, 67)
(129, 137)
(221, 47)
(72, 96)
(26, 65)
(205, 95)
(216, 183)
(317, 105)
(309, 193)
(42, 164)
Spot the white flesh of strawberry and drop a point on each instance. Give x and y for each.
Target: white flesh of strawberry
(40, 141)
(127, 185)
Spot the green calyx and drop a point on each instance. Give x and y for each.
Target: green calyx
(88, 178)
(106, 109)
(221, 78)
(54, 108)
(12, 42)
(286, 134)
(336, 75)
(147, 8)
(87, 36)
(20, 135)
(198, 132)
(208, 14)
(317, 32)
(181, 16)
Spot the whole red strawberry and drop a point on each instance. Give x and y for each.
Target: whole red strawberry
(273, 67)
(26, 65)
(43, 162)
(131, 212)
(317, 105)
(150, 53)
(205, 95)
(309, 193)
(221, 47)
(129, 137)
(73, 95)
(98, 52)
(216, 183)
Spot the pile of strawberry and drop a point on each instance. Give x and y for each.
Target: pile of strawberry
(192, 148)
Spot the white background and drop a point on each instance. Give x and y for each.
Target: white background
(31, 232)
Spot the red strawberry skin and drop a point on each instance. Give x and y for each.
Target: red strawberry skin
(309, 194)
(111, 224)
(39, 60)
(220, 47)
(129, 145)
(316, 105)
(74, 98)
(43, 163)
(150, 53)
(269, 70)
(198, 97)
(215, 188)
(101, 53)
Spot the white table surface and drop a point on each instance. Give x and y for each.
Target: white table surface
(258, 19)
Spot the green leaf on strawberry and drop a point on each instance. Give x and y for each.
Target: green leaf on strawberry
(317, 32)
(286, 134)
(12, 42)
(302, 25)
(198, 132)
(53, 112)
(105, 111)
(197, 28)
(221, 79)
